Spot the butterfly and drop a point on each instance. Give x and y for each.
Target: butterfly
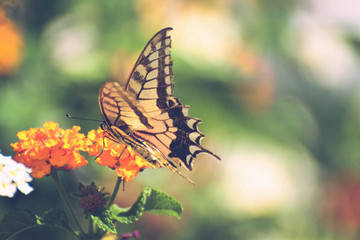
(145, 115)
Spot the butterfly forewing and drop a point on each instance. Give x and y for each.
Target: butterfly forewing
(146, 109)
(151, 78)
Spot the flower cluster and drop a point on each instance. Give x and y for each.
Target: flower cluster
(13, 175)
(116, 155)
(50, 147)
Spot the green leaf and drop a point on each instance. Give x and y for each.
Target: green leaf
(161, 203)
(150, 200)
(15, 222)
(56, 217)
(103, 220)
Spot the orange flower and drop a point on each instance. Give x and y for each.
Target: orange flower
(116, 155)
(11, 44)
(42, 149)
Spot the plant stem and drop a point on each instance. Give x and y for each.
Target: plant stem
(91, 226)
(65, 199)
(116, 189)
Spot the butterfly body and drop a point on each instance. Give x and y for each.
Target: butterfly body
(117, 135)
(144, 113)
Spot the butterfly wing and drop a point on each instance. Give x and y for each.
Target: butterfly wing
(150, 81)
(146, 108)
(119, 108)
(173, 131)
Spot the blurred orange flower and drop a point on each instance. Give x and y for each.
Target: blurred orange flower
(127, 166)
(42, 149)
(11, 44)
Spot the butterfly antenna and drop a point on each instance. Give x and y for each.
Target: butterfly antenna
(87, 119)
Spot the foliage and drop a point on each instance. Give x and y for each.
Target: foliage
(150, 200)
(18, 221)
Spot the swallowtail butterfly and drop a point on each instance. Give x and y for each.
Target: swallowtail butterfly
(145, 115)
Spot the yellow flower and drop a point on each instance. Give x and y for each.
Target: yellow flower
(42, 149)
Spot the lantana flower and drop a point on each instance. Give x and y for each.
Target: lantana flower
(108, 152)
(42, 149)
(13, 176)
(50, 147)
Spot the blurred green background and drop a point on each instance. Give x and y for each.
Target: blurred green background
(275, 83)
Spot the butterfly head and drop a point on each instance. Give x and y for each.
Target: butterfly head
(103, 126)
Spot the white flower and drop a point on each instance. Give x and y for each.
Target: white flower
(13, 175)
(7, 187)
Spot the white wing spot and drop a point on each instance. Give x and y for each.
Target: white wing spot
(194, 148)
(167, 60)
(191, 123)
(188, 159)
(194, 135)
(168, 80)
